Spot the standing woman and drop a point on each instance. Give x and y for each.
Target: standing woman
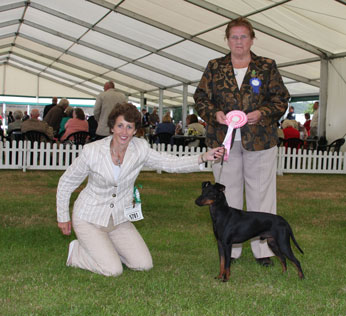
(106, 238)
(252, 84)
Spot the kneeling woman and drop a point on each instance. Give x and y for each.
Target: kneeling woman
(106, 238)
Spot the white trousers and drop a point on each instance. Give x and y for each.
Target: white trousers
(103, 249)
(256, 172)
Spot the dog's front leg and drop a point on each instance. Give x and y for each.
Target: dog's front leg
(227, 269)
(222, 260)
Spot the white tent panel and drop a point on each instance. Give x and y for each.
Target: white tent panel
(142, 85)
(148, 74)
(54, 23)
(187, 50)
(172, 67)
(310, 71)
(14, 14)
(8, 29)
(109, 43)
(47, 37)
(336, 106)
(51, 75)
(108, 61)
(19, 82)
(303, 18)
(138, 31)
(6, 41)
(177, 14)
(83, 75)
(91, 13)
(60, 74)
(301, 89)
(42, 60)
(92, 93)
(88, 66)
(28, 63)
(93, 86)
(38, 48)
(27, 68)
(265, 45)
(49, 88)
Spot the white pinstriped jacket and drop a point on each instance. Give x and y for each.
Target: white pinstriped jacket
(103, 196)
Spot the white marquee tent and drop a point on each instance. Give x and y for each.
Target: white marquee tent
(156, 50)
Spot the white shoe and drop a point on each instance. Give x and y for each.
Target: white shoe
(70, 248)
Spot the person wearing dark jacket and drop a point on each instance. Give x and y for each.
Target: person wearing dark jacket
(244, 81)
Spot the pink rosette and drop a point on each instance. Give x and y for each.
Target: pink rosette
(234, 119)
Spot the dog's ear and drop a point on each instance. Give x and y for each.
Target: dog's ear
(205, 184)
(220, 187)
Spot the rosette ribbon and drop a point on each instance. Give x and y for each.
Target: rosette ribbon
(234, 119)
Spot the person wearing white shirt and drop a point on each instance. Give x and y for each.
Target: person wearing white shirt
(106, 238)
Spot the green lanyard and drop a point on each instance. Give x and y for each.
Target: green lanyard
(136, 195)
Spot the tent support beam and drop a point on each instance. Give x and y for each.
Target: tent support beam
(323, 98)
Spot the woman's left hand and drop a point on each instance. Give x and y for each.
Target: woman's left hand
(212, 154)
(254, 117)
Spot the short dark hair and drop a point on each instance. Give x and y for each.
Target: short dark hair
(130, 113)
(79, 113)
(192, 118)
(240, 22)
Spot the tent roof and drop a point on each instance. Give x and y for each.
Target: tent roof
(145, 45)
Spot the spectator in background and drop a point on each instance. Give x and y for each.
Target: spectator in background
(105, 102)
(92, 127)
(154, 119)
(10, 118)
(48, 107)
(66, 117)
(166, 126)
(1, 130)
(145, 118)
(314, 121)
(55, 115)
(25, 116)
(34, 124)
(291, 115)
(17, 124)
(307, 123)
(290, 129)
(194, 128)
(76, 124)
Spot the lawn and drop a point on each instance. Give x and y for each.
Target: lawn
(35, 281)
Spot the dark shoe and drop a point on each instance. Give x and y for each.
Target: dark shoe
(265, 262)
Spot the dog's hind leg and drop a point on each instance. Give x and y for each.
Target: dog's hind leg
(275, 248)
(285, 248)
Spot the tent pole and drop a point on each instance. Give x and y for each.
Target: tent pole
(160, 104)
(184, 111)
(323, 97)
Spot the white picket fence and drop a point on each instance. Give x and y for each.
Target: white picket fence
(23, 155)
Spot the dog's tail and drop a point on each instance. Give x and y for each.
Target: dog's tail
(294, 240)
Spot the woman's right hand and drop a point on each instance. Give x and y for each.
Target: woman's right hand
(65, 227)
(221, 117)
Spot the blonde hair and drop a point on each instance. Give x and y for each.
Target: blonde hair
(167, 118)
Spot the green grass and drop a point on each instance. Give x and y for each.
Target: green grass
(35, 281)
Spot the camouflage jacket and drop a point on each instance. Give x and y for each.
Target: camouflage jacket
(218, 91)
